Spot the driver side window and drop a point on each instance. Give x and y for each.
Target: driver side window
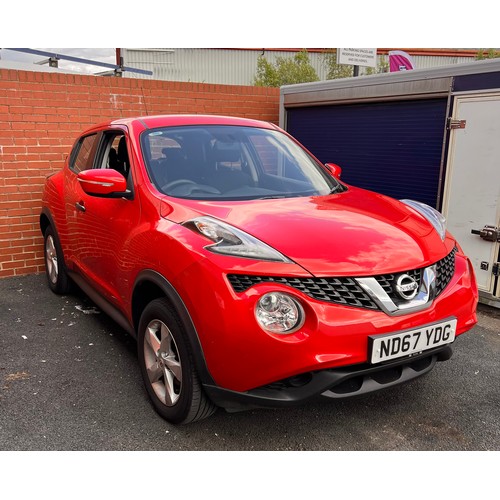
(115, 154)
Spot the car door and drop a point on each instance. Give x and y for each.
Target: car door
(472, 191)
(101, 227)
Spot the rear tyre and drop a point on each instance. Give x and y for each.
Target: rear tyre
(55, 269)
(167, 366)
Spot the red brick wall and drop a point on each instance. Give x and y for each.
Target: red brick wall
(42, 113)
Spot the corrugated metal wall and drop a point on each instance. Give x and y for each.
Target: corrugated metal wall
(425, 62)
(230, 66)
(225, 66)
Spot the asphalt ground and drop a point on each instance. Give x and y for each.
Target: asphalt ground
(70, 381)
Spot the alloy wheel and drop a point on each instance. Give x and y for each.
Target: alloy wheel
(162, 361)
(51, 259)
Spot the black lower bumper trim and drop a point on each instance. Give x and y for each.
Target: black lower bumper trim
(339, 383)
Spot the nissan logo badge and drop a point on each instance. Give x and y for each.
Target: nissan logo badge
(406, 287)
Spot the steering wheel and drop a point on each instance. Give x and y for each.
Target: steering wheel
(176, 183)
(191, 187)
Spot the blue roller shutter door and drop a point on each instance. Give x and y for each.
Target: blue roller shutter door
(393, 148)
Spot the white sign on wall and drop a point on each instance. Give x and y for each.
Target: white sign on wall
(357, 57)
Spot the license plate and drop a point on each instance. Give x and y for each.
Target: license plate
(408, 342)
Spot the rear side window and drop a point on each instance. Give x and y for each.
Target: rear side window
(83, 156)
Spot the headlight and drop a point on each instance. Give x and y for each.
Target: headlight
(278, 312)
(431, 214)
(232, 241)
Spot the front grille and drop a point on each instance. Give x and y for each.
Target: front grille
(445, 269)
(347, 291)
(338, 290)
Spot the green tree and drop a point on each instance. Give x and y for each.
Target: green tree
(334, 70)
(285, 71)
(489, 54)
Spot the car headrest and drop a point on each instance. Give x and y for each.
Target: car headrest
(224, 151)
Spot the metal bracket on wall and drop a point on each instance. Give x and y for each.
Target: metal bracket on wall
(454, 124)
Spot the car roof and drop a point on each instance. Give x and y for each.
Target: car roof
(158, 121)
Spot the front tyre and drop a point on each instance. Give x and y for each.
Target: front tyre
(167, 366)
(57, 277)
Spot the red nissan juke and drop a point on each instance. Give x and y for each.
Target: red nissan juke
(250, 275)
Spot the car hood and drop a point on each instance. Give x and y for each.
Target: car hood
(356, 232)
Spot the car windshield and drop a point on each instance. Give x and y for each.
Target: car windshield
(231, 163)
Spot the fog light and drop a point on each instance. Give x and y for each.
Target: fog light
(278, 312)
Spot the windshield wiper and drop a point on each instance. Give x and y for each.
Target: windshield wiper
(273, 196)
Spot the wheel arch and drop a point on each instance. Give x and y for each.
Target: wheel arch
(46, 220)
(151, 285)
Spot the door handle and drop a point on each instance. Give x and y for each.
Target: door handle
(488, 233)
(80, 205)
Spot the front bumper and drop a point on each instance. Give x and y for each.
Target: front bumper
(339, 383)
(245, 362)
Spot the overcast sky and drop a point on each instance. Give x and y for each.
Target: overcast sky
(94, 54)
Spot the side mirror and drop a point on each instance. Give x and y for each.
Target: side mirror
(334, 169)
(107, 183)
